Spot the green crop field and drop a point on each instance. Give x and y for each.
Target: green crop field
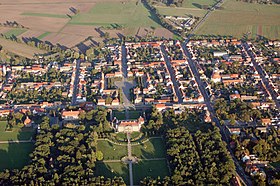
(128, 14)
(14, 32)
(154, 148)
(237, 18)
(14, 155)
(15, 134)
(43, 35)
(180, 11)
(198, 3)
(152, 169)
(45, 15)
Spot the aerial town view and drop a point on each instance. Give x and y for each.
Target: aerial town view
(140, 92)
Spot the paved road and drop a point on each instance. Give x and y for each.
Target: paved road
(129, 157)
(217, 5)
(76, 81)
(262, 74)
(172, 74)
(210, 108)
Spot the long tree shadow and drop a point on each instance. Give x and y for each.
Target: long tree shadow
(152, 13)
(111, 170)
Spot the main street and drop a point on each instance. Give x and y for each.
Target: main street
(172, 74)
(262, 74)
(76, 81)
(239, 169)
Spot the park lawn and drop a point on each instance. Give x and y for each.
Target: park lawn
(45, 15)
(276, 164)
(193, 127)
(154, 148)
(15, 134)
(14, 155)
(179, 11)
(110, 170)
(134, 114)
(237, 18)
(152, 169)
(128, 14)
(43, 35)
(120, 115)
(111, 151)
(15, 32)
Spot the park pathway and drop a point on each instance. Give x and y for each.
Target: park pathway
(129, 159)
(17, 141)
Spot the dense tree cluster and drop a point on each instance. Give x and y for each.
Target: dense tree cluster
(64, 156)
(199, 161)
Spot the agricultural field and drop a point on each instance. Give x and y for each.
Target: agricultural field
(238, 18)
(20, 49)
(70, 22)
(14, 155)
(14, 32)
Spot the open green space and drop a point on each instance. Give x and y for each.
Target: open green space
(15, 32)
(44, 15)
(134, 114)
(120, 115)
(195, 126)
(154, 148)
(180, 11)
(14, 155)
(198, 3)
(238, 18)
(15, 134)
(111, 151)
(110, 170)
(276, 164)
(152, 169)
(43, 35)
(131, 14)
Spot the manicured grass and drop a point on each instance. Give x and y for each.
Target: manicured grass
(110, 170)
(14, 32)
(44, 15)
(15, 134)
(134, 114)
(111, 151)
(193, 127)
(120, 115)
(237, 18)
(152, 169)
(14, 155)
(179, 11)
(128, 14)
(276, 164)
(43, 35)
(154, 148)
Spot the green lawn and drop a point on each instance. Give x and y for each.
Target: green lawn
(152, 169)
(111, 151)
(193, 127)
(15, 32)
(276, 164)
(14, 155)
(134, 114)
(119, 114)
(110, 170)
(15, 134)
(237, 18)
(154, 148)
(129, 14)
(45, 15)
(43, 35)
